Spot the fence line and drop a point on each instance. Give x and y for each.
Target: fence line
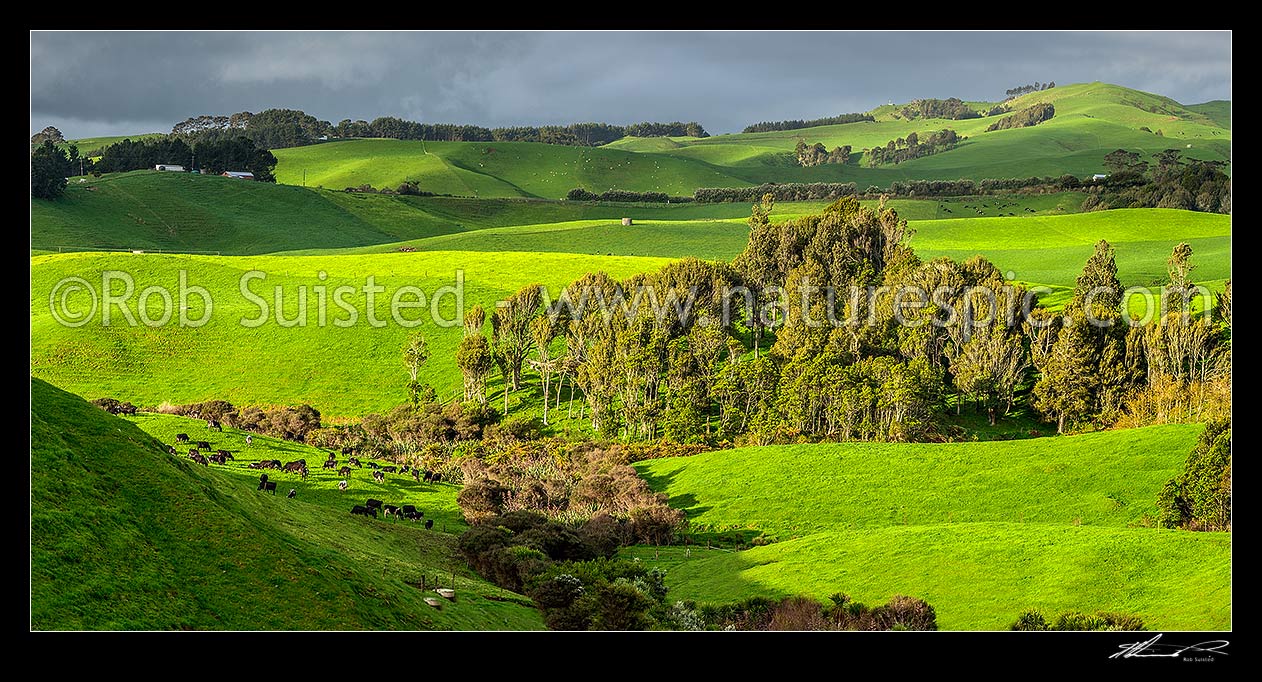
(72, 249)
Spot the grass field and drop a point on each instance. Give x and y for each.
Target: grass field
(341, 371)
(493, 169)
(357, 370)
(980, 530)
(194, 213)
(1091, 120)
(126, 536)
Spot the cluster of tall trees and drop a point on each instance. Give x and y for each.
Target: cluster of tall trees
(1030, 116)
(50, 166)
(796, 124)
(911, 147)
(576, 134)
(268, 129)
(816, 154)
(1175, 367)
(49, 133)
(952, 108)
(1024, 89)
(209, 153)
(673, 355)
(280, 128)
(1168, 181)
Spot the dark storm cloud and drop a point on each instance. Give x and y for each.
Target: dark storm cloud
(99, 83)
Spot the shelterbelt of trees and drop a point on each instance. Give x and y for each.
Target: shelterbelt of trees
(280, 128)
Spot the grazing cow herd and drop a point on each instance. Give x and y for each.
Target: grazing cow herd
(372, 507)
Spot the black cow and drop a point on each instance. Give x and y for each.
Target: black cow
(378, 477)
(347, 450)
(269, 486)
(291, 494)
(217, 459)
(200, 459)
(416, 475)
(181, 437)
(354, 461)
(373, 504)
(296, 466)
(374, 465)
(171, 449)
(429, 524)
(203, 445)
(192, 452)
(390, 510)
(330, 464)
(214, 424)
(405, 470)
(408, 509)
(389, 470)
(344, 472)
(364, 511)
(226, 455)
(429, 475)
(437, 477)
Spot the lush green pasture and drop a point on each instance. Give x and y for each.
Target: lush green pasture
(341, 371)
(1091, 120)
(1052, 249)
(980, 530)
(493, 169)
(125, 536)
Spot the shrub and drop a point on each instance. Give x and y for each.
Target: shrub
(1033, 620)
(904, 613)
(481, 500)
(798, 613)
(604, 534)
(1025, 118)
(113, 406)
(1030, 620)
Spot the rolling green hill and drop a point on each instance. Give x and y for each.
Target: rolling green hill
(492, 169)
(1091, 120)
(341, 371)
(1143, 239)
(1218, 111)
(354, 371)
(980, 530)
(193, 213)
(125, 536)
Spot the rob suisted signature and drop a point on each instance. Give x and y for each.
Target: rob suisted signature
(1152, 648)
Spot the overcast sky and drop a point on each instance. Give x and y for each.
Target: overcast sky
(110, 83)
